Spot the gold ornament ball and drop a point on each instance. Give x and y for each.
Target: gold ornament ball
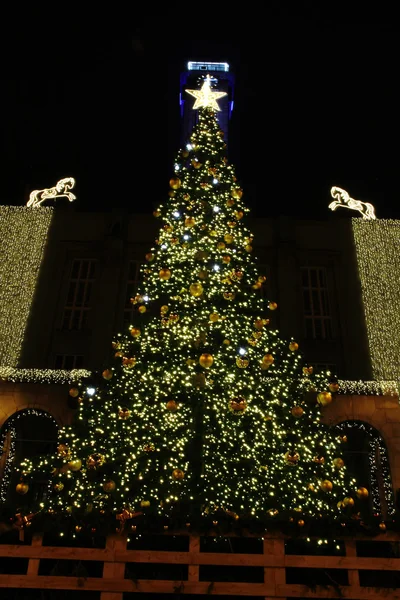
(74, 465)
(164, 274)
(348, 501)
(297, 411)
(293, 346)
(382, 526)
(109, 486)
(107, 374)
(149, 257)
(221, 245)
(142, 309)
(63, 450)
(362, 493)
(333, 387)
(171, 193)
(124, 413)
(230, 202)
(214, 317)
(319, 460)
(74, 392)
(156, 213)
(171, 405)
(326, 485)
(324, 398)
(300, 523)
(206, 360)
(248, 248)
(226, 259)
(228, 238)
(242, 363)
(308, 370)
(272, 306)
(178, 474)
(58, 487)
(196, 164)
(164, 309)
(338, 463)
(268, 359)
(175, 183)
(292, 458)
(135, 332)
(257, 285)
(196, 289)
(95, 460)
(145, 503)
(340, 504)
(259, 324)
(238, 405)
(203, 274)
(239, 214)
(22, 488)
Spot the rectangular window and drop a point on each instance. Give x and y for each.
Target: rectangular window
(68, 361)
(317, 314)
(77, 305)
(134, 277)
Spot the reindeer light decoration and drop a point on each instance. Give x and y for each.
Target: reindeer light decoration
(60, 190)
(342, 198)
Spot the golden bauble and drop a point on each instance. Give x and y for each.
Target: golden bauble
(340, 504)
(324, 398)
(382, 526)
(124, 413)
(242, 363)
(149, 256)
(164, 309)
(311, 487)
(171, 405)
(226, 342)
(362, 493)
(273, 512)
(144, 503)
(239, 214)
(226, 259)
(338, 463)
(171, 193)
(74, 465)
(308, 370)
(206, 360)
(238, 405)
(156, 213)
(213, 233)
(343, 439)
(297, 411)
(178, 474)
(221, 245)
(203, 274)
(190, 222)
(326, 485)
(142, 309)
(236, 193)
(300, 523)
(164, 274)
(196, 164)
(268, 359)
(175, 183)
(74, 392)
(293, 346)
(230, 202)
(196, 289)
(22, 488)
(257, 285)
(129, 362)
(259, 324)
(228, 238)
(292, 458)
(135, 332)
(248, 248)
(319, 460)
(232, 224)
(109, 486)
(348, 501)
(229, 295)
(272, 306)
(261, 278)
(214, 317)
(333, 387)
(107, 374)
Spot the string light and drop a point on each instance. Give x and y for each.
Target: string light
(21, 228)
(377, 249)
(59, 376)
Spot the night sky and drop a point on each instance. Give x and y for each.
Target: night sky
(316, 105)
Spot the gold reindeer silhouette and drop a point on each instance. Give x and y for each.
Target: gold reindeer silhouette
(342, 198)
(58, 191)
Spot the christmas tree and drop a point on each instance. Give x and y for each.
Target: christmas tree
(204, 413)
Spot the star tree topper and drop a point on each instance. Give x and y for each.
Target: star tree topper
(205, 96)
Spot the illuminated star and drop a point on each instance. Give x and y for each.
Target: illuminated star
(205, 96)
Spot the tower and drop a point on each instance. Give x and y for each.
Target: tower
(222, 80)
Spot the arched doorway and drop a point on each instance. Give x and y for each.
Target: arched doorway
(366, 457)
(28, 433)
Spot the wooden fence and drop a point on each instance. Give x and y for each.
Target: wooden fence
(273, 571)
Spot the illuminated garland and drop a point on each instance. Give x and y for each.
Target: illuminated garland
(10, 428)
(23, 236)
(369, 388)
(377, 245)
(42, 375)
(376, 443)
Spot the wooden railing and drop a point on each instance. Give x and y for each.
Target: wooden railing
(272, 566)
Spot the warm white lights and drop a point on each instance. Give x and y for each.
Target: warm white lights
(342, 198)
(60, 190)
(205, 97)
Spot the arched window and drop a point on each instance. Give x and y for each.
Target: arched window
(366, 457)
(25, 434)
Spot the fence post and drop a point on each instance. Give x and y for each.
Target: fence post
(274, 575)
(33, 564)
(114, 570)
(194, 547)
(351, 550)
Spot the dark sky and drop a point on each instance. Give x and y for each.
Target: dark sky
(316, 105)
